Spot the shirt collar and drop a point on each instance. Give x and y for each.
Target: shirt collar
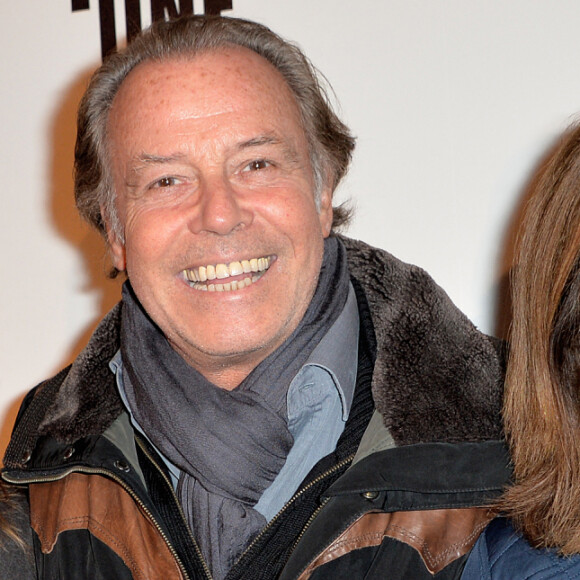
(337, 352)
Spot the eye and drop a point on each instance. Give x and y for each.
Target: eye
(257, 165)
(165, 182)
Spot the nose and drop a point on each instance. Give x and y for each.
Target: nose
(221, 209)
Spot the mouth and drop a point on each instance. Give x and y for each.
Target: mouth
(227, 277)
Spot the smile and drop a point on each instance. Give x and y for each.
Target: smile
(245, 273)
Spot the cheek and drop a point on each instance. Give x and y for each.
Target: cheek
(147, 237)
(295, 214)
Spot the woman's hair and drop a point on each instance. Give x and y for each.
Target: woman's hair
(330, 141)
(9, 531)
(542, 397)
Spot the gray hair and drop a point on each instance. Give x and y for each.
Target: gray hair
(330, 141)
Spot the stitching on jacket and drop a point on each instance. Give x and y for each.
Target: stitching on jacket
(372, 536)
(89, 522)
(432, 559)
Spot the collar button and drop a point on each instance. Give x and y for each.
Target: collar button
(122, 465)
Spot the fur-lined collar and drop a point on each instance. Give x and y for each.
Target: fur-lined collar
(436, 377)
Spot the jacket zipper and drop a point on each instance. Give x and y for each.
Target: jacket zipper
(125, 486)
(315, 481)
(178, 503)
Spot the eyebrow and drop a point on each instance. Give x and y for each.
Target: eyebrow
(143, 160)
(150, 159)
(270, 139)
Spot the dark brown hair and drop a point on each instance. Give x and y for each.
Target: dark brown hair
(330, 141)
(542, 398)
(8, 529)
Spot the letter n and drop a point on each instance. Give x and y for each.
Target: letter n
(161, 9)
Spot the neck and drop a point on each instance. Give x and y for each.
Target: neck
(224, 371)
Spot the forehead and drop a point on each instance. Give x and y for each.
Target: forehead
(226, 80)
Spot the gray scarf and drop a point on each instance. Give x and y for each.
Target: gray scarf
(229, 445)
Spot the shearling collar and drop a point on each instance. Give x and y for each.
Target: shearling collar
(436, 377)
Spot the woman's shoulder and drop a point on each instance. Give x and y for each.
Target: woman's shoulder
(501, 553)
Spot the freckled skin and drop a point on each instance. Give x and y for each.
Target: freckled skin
(211, 165)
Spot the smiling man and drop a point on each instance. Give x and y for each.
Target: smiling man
(269, 399)
(221, 237)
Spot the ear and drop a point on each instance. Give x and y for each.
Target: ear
(325, 212)
(116, 245)
(117, 252)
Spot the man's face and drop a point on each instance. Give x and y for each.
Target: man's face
(223, 242)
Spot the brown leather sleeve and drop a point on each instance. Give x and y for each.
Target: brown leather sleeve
(440, 536)
(103, 507)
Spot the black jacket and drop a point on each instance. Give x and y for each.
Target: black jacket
(406, 500)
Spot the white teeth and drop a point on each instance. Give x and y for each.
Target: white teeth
(198, 276)
(236, 269)
(221, 271)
